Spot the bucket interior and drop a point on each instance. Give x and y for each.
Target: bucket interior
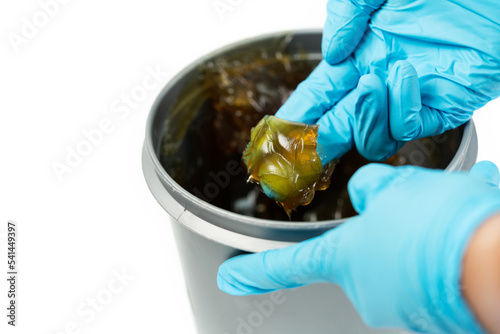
(199, 143)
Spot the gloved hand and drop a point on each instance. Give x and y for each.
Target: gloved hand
(398, 70)
(399, 261)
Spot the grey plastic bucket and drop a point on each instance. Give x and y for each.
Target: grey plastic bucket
(207, 235)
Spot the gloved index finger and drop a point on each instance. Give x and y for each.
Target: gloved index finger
(370, 180)
(411, 113)
(324, 87)
(345, 26)
(290, 267)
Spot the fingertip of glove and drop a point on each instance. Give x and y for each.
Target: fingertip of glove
(371, 85)
(487, 171)
(333, 56)
(344, 28)
(221, 277)
(402, 69)
(224, 282)
(267, 189)
(368, 181)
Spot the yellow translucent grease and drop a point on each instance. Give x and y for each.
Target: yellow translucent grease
(281, 156)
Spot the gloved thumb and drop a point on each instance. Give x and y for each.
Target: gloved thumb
(370, 180)
(486, 171)
(345, 26)
(409, 117)
(405, 102)
(371, 129)
(290, 267)
(361, 116)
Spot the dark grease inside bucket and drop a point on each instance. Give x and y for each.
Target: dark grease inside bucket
(208, 126)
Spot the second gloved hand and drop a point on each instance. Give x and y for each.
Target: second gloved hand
(400, 261)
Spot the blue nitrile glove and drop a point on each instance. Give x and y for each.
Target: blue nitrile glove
(399, 261)
(432, 63)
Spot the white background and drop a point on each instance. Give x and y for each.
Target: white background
(101, 217)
